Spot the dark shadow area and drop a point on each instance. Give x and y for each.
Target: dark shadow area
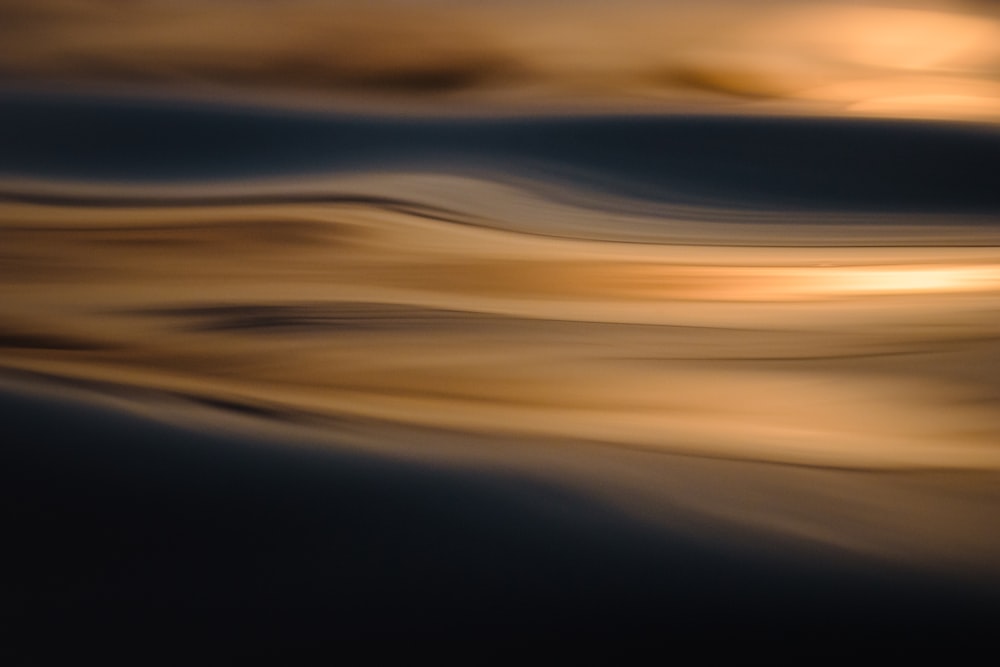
(121, 527)
(329, 316)
(786, 163)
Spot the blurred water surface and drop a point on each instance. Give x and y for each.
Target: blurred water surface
(751, 319)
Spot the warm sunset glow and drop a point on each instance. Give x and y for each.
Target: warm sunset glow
(482, 319)
(920, 279)
(811, 56)
(917, 279)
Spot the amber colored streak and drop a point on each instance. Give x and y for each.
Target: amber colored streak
(935, 59)
(859, 357)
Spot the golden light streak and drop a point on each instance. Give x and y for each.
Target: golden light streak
(934, 59)
(918, 279)
(735, 338)
(830, 376)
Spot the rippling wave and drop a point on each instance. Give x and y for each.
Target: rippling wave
(779, 325)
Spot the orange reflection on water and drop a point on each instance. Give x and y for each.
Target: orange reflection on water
(915, 279)
(861, 356)
(644, 355)
(933, 59)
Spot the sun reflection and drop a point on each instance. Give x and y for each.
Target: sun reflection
(798, 283)
(909, 279)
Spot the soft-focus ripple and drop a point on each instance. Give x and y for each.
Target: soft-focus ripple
(760, 163)
(630, 296)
